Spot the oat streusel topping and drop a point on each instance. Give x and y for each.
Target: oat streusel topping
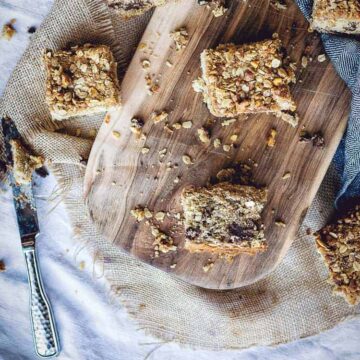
(339, 245)
(81, 81)
(249, 78)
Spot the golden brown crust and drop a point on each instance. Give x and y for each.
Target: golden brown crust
(249, 78)
(337, 16)
(339, 245)
(81, 81)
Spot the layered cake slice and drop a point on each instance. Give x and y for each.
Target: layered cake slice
(131, 8)
(24, 164)
(224, 219)
(247, 79)
(339, 245)
(81, 81)
(341, 16)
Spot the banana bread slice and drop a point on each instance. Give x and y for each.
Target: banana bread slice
(339, 245)
(224, 219)
(342, 16)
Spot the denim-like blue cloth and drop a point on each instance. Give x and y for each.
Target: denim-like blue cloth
(344, 52)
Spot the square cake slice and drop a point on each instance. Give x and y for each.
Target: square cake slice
(81, 81)
(339, 245)
(247, 79)
(24, 163)
(131, 8)
(224, 219)
(342, 16)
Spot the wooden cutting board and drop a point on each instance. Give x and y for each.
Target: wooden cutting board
(119, 177)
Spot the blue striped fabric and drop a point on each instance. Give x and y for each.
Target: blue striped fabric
(344, 52)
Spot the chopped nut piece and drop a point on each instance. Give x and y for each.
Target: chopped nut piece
(204, 135)
(271, 140)
(339, 245)
(138, 214)
(107, 119)
(177, 126)
(187, 160)
(187, 124)
(158, 117)
(234, 137)
(145, 150)
(321, 58)
(81, 81)
(280, 223)
(160, 216)
(217, 143)
(163, 243)
(181, 38)
(136, 126)
(116, 134)
(224, 219)
(8, 30)
(226, 147)
(287, 175)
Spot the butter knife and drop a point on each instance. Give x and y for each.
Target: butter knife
(43, 325)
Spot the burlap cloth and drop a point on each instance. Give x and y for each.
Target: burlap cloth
(293, 302)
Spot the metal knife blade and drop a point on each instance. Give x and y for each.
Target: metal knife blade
(23, 196)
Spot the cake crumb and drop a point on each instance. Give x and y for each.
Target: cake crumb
(204, 135)
(280, 223)
(187, 124)
(271, 140)
(227, 122)
(208, 266)
(160, 216)
(287, 175)
(217, 143)
(226, 147)
(181, 38)
(321, 58)
(8, 30)
(116, 134)
(157, 117)
(187, 159)
(145, 150)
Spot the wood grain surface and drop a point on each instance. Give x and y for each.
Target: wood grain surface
(119, 177)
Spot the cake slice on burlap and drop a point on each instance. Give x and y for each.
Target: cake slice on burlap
(224, 219)
(339, 245)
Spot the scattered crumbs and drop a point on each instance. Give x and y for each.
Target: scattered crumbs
(227, 122)
(32, 29)
(145, 150)
(150, 86)
(280, 223)
(2, 266)
(233, 137)
(187, 160)
(163, 243)
(173, 266)
(162, 152)
(217, 143)
(142, 46)
(148, 214)
(287, 175)
(177, 126)
(226, 147)
(208, 266)
(304, 62)
(187, 124)
(271, 140)
(204, 135)
(176, 180)
(169, 63)
(145, 64)
(8, 30)
(107, 119)
(181, 38)
(116, 134)
(219, 9)
(160, 216)
(138, 213)
(136, 125)
(157, 117)
(278, 4)
(321, 58)
(81, 265)
(168, 128)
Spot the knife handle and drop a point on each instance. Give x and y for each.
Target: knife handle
(43, 324)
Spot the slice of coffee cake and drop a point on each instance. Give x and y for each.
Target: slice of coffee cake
(247, 79)
(339, 245)
(224, 219)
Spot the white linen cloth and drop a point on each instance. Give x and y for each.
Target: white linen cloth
(90, 326)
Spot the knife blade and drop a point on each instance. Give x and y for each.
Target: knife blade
(43, 324)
